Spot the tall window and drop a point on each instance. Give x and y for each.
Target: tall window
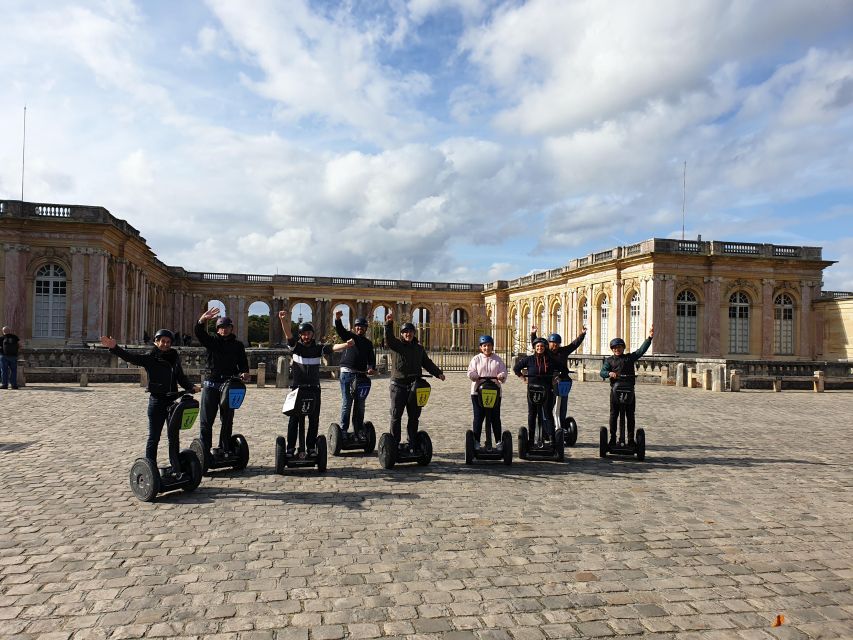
(602, 326)
(584, 323)
(557, 322)
(783, 324)
(635, 321)
(739, 323)
(685, 322)
(49, 311)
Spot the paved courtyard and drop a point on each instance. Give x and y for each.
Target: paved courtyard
(742, 512)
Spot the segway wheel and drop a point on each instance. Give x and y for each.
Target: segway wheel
(425, 445)
(322, 454)
(523, 443)
(280, 453)
(559, 446)
(198, 449)
(387, 451)
(572, 432)
(506, 445)
(370, 440)
(239, 444)
(469, 447)
(602, 442)
(190, 464)
(144, 479)
(335, 437)
(641, 444)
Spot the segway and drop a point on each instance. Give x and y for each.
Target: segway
(236, 457)
(362, 436)
(568, 424)
(392, 453)
(300, 402)
(624, 396)
(534, 446)
(147, 480)
(488, 393)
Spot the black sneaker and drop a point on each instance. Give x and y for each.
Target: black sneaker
(291, 452)
(4, 387)
(612, 443)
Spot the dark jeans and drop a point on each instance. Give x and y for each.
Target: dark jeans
(616, 408)
(480, 415)
(9, 367)
(403, 399)
(350, 403)
(313, 423)
(157, 413)
(547, 410)
(210, 397)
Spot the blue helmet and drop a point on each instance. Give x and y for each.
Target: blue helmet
(617, 342)
(484, 339)
(555, 337)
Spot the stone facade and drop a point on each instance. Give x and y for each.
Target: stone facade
(69, 274)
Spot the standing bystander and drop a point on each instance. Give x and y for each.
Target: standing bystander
(9, 358)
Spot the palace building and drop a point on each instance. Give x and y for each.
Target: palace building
(73, 273)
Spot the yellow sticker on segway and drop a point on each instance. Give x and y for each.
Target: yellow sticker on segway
(488, 397)
(422, 396)
(188, 418)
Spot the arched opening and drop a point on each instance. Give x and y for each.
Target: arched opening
(346, 317)
(634, 330)
(421, 320)
(259, 324)
(686, 313)
(739, 322)
(603, 328)
(557, 318)
(49, 302)
(215, 304)
(459, 329)
(301, 312)
(783, 324)
(377, 324)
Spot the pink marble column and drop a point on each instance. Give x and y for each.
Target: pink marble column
(77, 300)
(767, 317)
(14, 295)
(711, 318)
(119, 331)
(96, 299)
(806, 347)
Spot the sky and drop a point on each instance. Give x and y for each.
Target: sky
(444, 140)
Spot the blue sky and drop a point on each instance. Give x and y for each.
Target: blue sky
(434, 139)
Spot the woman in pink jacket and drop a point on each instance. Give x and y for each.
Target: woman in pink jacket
(487, 364)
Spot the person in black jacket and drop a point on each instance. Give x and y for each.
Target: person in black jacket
(555, 348)
(411, 358)
(620, 371)
(306, 360)
(361, 359)
(542, 365)
(9, 344)
(163, 366)
(226, 357)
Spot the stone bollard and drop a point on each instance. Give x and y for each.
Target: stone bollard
(22, 373)
(84, 379)
(819, 381)
(143, 377)
(777, 384)
(262, 375)
(282, 367)
(664, 375)
(707, 379)
(719, 378)
(681, 375)
(734, 380)
(581, 373)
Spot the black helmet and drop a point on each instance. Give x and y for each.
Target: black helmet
(540, 341)
(617, 342)
(305, 326)
(164, 333)
(407, 326)
(484, 339)
(555, 337)
(360, 322)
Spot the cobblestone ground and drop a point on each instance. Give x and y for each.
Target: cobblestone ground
(740, 513)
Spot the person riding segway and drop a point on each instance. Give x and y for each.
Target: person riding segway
(488, 373)
(539, 440)
(165, 405)
(303, 401)
(619, 369)
(223, 390)
(560, 399)
(356, 365)
(409, 392)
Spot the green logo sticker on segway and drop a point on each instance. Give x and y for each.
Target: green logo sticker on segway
(488, 398)
(188, 418)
